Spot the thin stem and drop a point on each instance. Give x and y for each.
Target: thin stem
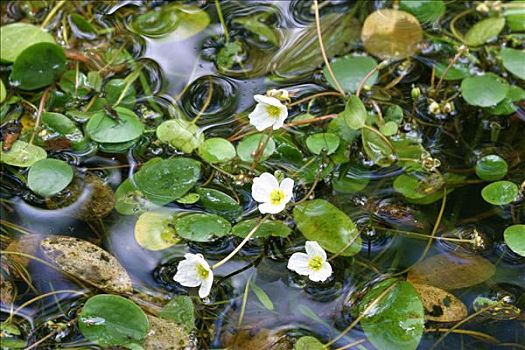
(206, 103)
(445, 72)
(352, 344)
(242, 244)
(480, 335)
(378, 133)
(52, 13)
(453, 24)
(323, 52)
(221, 19)
(422, 235)
(261, 147)
(365, 79)
(320, 94)
(41, 106)
(361, 315)
(244, 301)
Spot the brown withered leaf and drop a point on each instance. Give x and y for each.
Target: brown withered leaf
(440, 305)
(391, 34)
(452, 271)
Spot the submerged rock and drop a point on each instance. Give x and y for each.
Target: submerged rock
(27, 244)
(88, 262)
(6, 289)
(166, 335)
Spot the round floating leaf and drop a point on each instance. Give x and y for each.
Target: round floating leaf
(183, 21)
(247, 147)
(168, 179)
(514, 61)
(484, 90)
(105, 128)
(376, 148)
(37, 66)
(515, 16)
(49, 176)
(500, 192)
(129, 200)
(65, 127)
(267, 229)
(491, 168)
(350, 70)
(319, 220)
(426, 11)
(355, 113)
(456, 72)
(396, 322)
(440, 305)
(484, 31)
(22, 154)
(515, 238)
(201, 227)
(417, 185)
(220, 203)
(308, 343)
(75, 83)
(189, 198)
(507, 105)
(154, 230)
(217, 150)
(111, 320)
(391, 34)
(16, 37)
(452, 271)
(322, 142)
(181, 310)
(180, 134)
(116, 87)
(388, 129)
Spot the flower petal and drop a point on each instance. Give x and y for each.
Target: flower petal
(268, 100)
(206, 285)
(259, 118)
(322, 274)
(262, 186)
(287, 187)
(269, 208)
(314, 249)
(283, 114)
(298, 262)
(186, 274)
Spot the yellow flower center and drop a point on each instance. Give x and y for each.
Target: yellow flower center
(315, 263)
(277, 196)
(202, 271)
(273, 111)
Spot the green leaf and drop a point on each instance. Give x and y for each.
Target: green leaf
(112, 320)
(308, 343)
(376, 148)
(484, 31)
(181, 134)
(456, 72)
(75, 83)
(38, 66)
(516, 16)
(49, 176)
(16, 37)
(355, 114)
(350, 70)
(163, 181)
(217, 202)
(397, 320)
(319, 220)
(129, 200)
(491, 168)
(22, 154)
(514, 61)
(65, 127)
(266, 229)
(154, 230)
(262, 296)
(500, 192)
(507, 105)
(247, 147)
(264, 31)
(229, 55)
(201, 227)
(181, 310)
(515, 238)
(3, 92)
(339, 127)
(322, 142)
(114, 88)
(81, 28)
(182, 21)
(101, 127)
(189, 198)
(417, 185)
(426, 11)
(217, 150)
(484, 90)
(388, 129)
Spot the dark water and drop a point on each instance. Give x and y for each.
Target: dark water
(181, 73)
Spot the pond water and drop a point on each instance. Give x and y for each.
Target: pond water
(405, 144)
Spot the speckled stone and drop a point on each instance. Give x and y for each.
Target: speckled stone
(165, 335)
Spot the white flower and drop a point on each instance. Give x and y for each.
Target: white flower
(312, 264)
(194, 271)
(266, 190)
(268, 112)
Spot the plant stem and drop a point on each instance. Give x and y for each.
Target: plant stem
(323, 52)
(242, 244)
(41, 106)
(52, 13)
(221, 19)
